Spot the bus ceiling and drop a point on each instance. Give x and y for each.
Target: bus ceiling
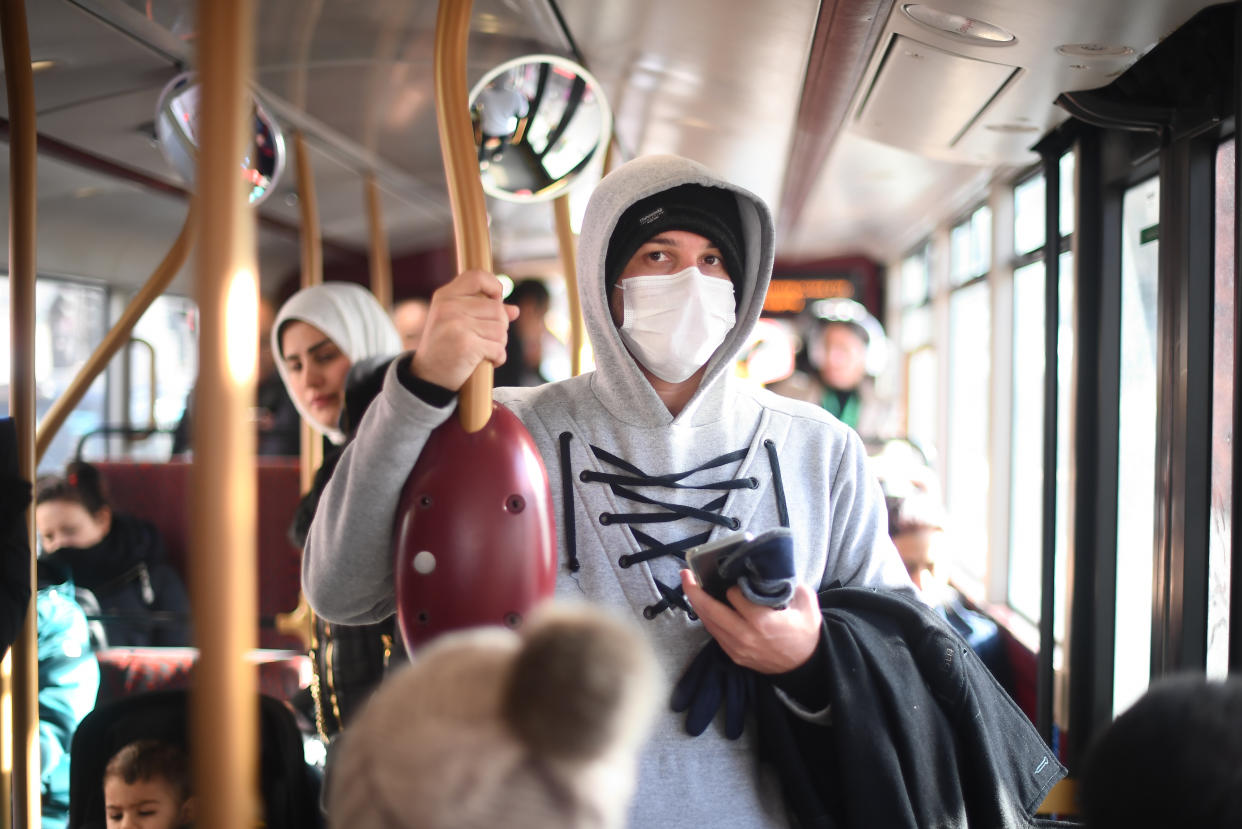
(852, 119)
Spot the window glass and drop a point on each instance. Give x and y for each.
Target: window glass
(70, 318)
(1028, 215)
(922, 402)
(970, 247)
(959, 254)
(1221, 527)
(915, 281)
(981, 241)
(1067, 195)
(170, 326)
(1065, 439)
(1136, 469)
(1027, 452)
(970, 370)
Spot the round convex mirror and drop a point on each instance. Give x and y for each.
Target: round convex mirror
(177, 129)
(539, 121)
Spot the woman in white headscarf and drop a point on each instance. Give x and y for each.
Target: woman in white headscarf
(320, 334)
(332, 344)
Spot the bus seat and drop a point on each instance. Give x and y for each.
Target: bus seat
(124, 672)
(285, 782)
(159, 493)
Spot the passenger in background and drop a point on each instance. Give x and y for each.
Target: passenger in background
(68, 670)
(68, 685)
(120, 559)
(334, 341)
(844, 351)
(147, 786)
(917, 525)
(1174, 758)
(274, 414)
(14, 540)
(409, 317)
(534, 354)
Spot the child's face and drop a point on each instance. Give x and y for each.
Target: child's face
(144, 804)
(69, 524)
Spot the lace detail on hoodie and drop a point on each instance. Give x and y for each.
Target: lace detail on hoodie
(626, 484)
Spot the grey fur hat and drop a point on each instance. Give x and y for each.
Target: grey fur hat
(491, 727)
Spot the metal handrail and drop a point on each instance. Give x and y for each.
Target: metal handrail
(151, 379)
(130, 432)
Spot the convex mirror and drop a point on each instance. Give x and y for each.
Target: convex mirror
(539, 122)
(177, 130)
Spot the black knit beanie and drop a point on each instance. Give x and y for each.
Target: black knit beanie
(710, 212)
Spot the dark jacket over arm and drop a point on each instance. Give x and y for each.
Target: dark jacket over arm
(922, 735)
(14, 541)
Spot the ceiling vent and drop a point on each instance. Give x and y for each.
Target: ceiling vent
(923, 98)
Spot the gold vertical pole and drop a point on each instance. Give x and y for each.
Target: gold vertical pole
(224, 723)
(381, 263)
(312, 274)
(465, 190)
(22, 777)
(569, 254)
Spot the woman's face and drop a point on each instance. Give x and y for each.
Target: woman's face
(69, 524)
(316, 369)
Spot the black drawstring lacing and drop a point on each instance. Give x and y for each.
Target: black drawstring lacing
(782, 510)
(625, 486)
(567, 499)
(652, 549)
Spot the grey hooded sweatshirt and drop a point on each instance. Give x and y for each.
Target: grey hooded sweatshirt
(796, 464)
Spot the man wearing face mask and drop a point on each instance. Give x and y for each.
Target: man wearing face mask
(659, 449)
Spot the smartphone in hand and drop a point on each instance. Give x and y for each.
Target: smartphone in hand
(763, 563)
(704, 561)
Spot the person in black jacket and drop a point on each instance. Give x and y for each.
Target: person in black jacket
(120, 559)
(332, 343)
(14, 542)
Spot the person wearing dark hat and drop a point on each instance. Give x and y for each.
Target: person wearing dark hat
(660, 448)
(845, 350)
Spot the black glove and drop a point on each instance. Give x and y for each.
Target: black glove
(763, 568)
(712, 678)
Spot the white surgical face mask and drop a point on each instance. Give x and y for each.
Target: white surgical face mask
(672, 324)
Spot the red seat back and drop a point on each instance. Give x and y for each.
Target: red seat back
(159, 493)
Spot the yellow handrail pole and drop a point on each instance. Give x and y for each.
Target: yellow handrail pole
(23, 775)
(465, 189)
(381, 262)
(116, 338)
(224, 719)
(569, 254)
(312, 274)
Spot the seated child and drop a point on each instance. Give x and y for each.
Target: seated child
(118, 558)
(147, 786)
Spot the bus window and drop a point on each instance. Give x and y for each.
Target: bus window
(917, 343)
(170, 325)
(1027, 426)
(970, 369)
(70, 320)
(1136, 469)
(1220, 526)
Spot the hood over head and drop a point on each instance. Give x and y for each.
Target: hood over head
(618, 381)
(351, 316)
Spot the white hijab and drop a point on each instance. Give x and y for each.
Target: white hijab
(351, 317)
